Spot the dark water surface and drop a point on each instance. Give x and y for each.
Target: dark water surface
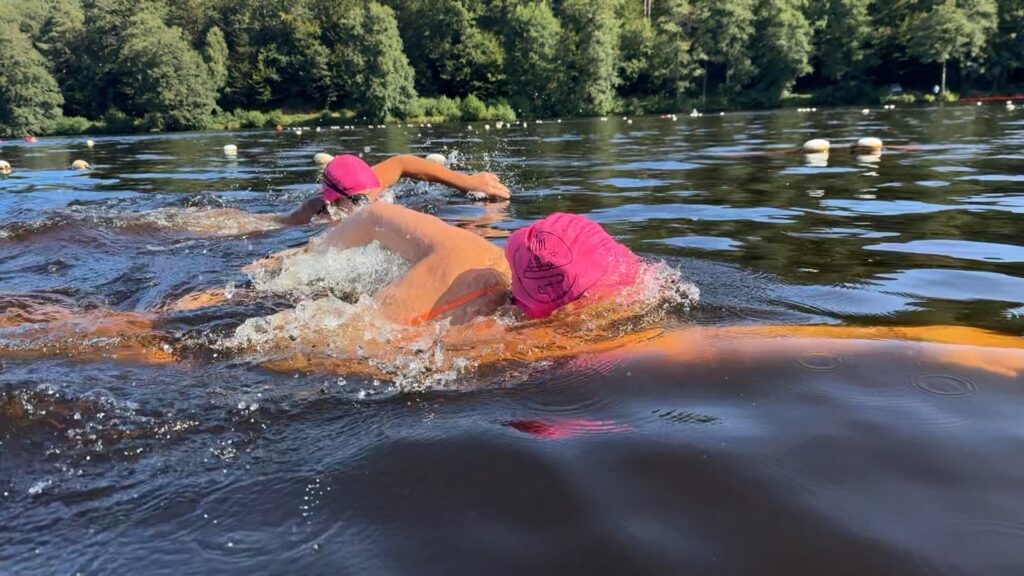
(872, 463)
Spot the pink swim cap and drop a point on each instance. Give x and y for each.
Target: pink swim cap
(347, 175)
(559, 259)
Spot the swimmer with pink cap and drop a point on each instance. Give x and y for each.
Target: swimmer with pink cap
(563, 257)
(456, 275)
(349, 181)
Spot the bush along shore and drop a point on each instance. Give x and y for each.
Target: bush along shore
(71, 66)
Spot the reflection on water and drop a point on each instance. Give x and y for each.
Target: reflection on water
(884, 460)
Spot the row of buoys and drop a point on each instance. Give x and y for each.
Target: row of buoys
(820, 145)
(5, 166)
(804, 110)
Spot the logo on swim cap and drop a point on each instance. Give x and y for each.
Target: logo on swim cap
(541, 267)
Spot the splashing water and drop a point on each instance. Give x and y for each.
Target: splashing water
(347, 274)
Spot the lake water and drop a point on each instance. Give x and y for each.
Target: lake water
(817, 464)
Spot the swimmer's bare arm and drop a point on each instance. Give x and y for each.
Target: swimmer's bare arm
(397, 167)
(408, 233)
(303, 214)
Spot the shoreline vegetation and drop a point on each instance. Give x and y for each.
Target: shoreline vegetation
(119, 66)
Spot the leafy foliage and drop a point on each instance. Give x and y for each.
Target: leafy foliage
(30, 100)
(158, 64)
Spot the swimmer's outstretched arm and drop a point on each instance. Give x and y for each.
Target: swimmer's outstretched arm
(410, 234)
(303, 214)
(397, 167)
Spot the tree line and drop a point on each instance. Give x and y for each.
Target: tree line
(171, 65)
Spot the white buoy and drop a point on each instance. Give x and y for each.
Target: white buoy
(5, 167)
(979, 103)
(629, 121)
(487, 127)
(816, 146)
(89, 143)
(865, 111)
(873, 158)
(721, 113)
(322, 159)
(298, 132)
(499, 124)
(604, 118)
(869, 144)
(814, 109)
(230, 150)
(80, 165)
(817, 159)
(436, 158)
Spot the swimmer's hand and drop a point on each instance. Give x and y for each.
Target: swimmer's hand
(489, 184)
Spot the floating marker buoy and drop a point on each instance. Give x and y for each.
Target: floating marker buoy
(979, 102)
(604, 118)
(816, 146)
(499, 124)
(89, 143)
(322, 159)
(629, 122)
(559, 120)
(438, 159)
(5, 167)
(721, 113)
(874, 158)
(817, 159)
(487, 127)
(298, 132)
(279, 128)
(80, 165)
(869, 144)
(230, 150)
(865, 111)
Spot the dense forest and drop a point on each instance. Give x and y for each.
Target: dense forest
(74, 65)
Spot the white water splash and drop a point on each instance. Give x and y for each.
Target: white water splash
(347, 274)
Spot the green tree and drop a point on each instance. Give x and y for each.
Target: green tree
(369, 62)
(722, 33)
(781, 49)
(30, 100)
(259, 41)
(449, 51)
(1007, 51)
(636, 49)
(842, 39)
(672, 63)
(951, 30)
(164, 79)
(533, 62)
(592, 39)
(215, 54)
(311, 58)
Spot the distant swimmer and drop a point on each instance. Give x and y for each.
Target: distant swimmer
(348, 181)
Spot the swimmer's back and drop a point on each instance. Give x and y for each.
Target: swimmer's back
(455, 274)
